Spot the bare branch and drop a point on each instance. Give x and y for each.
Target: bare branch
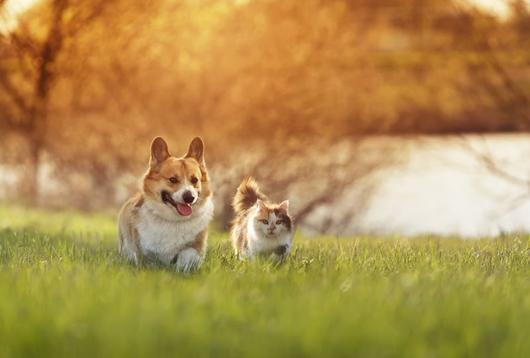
(12, 92)
(489, 162)
(81, 19)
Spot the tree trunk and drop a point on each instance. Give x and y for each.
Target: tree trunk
(38, 113)
(29, 181)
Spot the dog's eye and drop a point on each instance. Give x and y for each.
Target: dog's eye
(194, 180)
(173, 180)
(265, 221)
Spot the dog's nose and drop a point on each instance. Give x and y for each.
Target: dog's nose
(188, 197)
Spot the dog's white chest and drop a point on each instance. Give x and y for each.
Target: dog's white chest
(165, 238)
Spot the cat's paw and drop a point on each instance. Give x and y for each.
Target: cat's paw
(188, 260)
(280, 254)
(282, 250)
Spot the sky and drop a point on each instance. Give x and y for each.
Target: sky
(15, 7)
(12, 9)
(499, 7)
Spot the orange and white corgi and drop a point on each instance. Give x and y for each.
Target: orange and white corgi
(168, 219)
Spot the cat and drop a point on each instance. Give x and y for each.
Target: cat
(260, 227)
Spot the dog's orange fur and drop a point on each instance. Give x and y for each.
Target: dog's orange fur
(162, 167)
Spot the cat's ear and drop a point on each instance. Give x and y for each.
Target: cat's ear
(196, 150)
(284, 205)
(159, 152)
(261, 204)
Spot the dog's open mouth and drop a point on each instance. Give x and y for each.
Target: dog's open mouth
(182, 209)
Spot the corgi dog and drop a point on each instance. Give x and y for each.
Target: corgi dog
(260, 227)
(167, 221)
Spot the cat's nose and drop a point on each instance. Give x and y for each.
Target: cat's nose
(188, 197)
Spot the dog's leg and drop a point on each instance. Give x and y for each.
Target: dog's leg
(129, 239)
(200, 241)
(188, 260)
(138, 256)
(120, 242)
(131, 246)
(191, 257)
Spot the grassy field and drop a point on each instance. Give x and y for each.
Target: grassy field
(65, 292)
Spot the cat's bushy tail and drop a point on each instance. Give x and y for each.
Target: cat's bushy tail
(247, 194)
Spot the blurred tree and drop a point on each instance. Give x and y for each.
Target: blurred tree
(520, 20)
(89, 83)
(35, 48)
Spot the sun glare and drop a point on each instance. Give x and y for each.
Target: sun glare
(12, 9)
(498, 7)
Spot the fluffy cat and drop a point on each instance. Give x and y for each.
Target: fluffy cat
(260, 227)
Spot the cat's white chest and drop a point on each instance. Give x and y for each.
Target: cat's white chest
(259, 244)
(165, 238)
(266, 245)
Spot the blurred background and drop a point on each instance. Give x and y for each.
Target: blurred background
(371, 116)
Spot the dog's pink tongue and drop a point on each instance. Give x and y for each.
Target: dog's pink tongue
(184, 209)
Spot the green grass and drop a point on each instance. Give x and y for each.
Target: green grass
(65, 292)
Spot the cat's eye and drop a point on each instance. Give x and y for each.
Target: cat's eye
(278, 222)
(173, 180)
(194, 180)
(265, 221)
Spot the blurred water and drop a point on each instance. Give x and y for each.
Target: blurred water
(438, 186)
(442, 187)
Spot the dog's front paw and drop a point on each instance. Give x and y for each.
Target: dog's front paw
(188, 260)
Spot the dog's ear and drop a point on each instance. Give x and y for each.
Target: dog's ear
(159, 152)
(196, 150)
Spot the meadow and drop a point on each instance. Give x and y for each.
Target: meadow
(65, 292)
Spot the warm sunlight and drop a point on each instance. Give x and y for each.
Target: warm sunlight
(11, 10)
(500, 7)
(20, 5)
(298, 178)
